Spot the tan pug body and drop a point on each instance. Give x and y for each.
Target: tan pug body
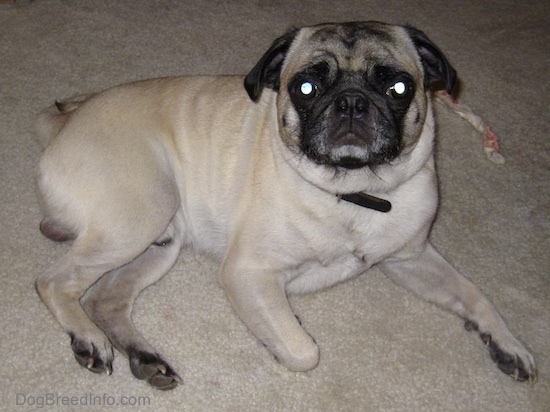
(262, 182)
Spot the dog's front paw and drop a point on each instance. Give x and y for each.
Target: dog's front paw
(300, 358)
(96, 357)
(151, 367)
(510, 355)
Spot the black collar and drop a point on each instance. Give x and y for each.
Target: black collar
(368, 201)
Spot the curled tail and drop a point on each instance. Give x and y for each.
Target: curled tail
(51, 120)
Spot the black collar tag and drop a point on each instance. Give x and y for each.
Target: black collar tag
(368, 201)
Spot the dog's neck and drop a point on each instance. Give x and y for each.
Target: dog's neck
(368, 201)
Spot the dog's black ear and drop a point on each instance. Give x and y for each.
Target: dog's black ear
(268, 69)
(436, 67)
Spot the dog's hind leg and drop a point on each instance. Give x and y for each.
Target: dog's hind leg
(110, 301)
(62, 285)
(110, 233)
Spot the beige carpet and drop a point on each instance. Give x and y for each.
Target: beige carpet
(382, 349)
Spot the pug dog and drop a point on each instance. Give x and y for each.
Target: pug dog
(320, 167)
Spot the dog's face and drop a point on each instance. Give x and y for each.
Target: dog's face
(351, 95)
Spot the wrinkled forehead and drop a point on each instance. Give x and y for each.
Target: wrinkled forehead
(356, 47)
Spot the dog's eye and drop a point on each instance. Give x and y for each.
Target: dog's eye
(307, 90)
(400, 89)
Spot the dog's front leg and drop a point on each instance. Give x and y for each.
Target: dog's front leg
(260, 300)
(430, 276)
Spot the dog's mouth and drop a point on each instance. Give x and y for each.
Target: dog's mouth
(352, 151)
(349, 139)
(349, 151)
(350, 163)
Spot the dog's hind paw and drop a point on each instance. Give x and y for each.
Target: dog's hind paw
(514, 361)
(91, 356)
(151, 367)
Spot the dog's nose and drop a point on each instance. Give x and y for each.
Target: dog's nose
(352, 104)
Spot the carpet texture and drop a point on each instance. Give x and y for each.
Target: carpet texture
(382, 349)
